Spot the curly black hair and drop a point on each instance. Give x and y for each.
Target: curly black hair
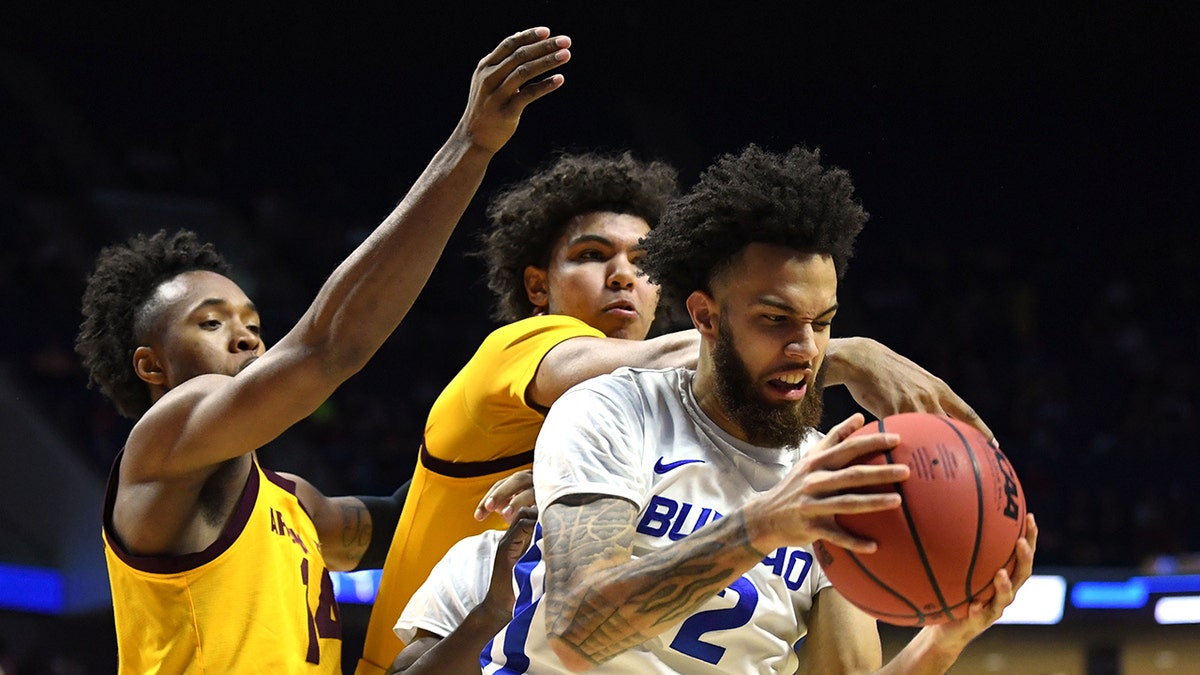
(755, 196)
(125, 278)
(528, 217)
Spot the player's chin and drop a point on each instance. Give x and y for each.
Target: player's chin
(625, 328)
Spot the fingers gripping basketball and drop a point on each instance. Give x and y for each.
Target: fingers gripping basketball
(962, 513)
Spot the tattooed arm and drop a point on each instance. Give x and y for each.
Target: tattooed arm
(600, 601)
(343, 524)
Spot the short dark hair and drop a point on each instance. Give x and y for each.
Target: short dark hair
(528, 217)
(125, 278)
(753, 197)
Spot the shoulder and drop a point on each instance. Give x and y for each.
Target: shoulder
(644, 384)
(165, 427)
(628, 393)
(528, 340)
(534, 327)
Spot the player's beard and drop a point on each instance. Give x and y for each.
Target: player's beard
(765, 423)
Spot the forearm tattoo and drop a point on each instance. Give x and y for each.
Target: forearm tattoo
(601, 602)
(355, 530)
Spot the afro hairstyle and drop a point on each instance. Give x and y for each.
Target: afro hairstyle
(528, 217)
(755, 196)
(125, 278)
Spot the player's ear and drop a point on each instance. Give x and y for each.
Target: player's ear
(537, 288)
(147, 366)
(705, 315)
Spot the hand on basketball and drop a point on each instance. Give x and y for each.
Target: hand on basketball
(508, 496)
(886, 383)
(504, 83)
(956, 634)
(801, 508)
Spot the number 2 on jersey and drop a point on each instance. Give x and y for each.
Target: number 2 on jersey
(688, 641)
(791, 564)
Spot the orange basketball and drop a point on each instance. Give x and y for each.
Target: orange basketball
(962, 513)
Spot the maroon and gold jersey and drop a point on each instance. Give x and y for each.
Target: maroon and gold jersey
(480, 429)
(258, 600)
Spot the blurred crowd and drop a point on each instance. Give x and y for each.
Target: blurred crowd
(1068, 320)
(1091, 388)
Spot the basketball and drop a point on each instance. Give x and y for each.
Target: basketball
(962, 513)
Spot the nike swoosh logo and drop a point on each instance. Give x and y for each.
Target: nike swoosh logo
(659, 467)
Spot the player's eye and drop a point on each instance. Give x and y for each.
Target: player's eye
(211, 324)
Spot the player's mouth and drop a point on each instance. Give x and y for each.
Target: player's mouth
(789, 386)
(621, 308)
(246, 363)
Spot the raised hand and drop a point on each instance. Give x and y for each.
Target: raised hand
(504, 83)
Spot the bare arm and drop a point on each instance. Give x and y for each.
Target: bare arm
(884, 382)
(841, 637)
(880, 380)
(600, 601)
(212, 418)
(214, 421)
(343, 524)
(573, 361)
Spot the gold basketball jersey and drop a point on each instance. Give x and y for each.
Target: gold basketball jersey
(258, 600)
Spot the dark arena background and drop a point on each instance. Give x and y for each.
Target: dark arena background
(1031, 172)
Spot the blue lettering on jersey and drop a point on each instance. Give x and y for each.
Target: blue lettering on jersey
(666, 517)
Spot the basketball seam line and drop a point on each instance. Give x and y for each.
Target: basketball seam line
(978, 508)
(916, 537)
(920, 615)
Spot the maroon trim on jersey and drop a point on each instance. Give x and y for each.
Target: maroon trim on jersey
(174, 564)
(286, 484)
(473, 469)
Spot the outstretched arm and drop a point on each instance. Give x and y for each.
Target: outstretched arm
(601, 601)
(573, 361)
(885, 383)
(213, 418)
(880, 380)
(203, 423)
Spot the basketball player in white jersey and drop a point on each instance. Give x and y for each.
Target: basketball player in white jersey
(678, 507)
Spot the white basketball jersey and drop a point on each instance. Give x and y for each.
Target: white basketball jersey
(457, 584)
(639, 435)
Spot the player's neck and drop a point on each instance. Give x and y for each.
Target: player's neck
(704, 390)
